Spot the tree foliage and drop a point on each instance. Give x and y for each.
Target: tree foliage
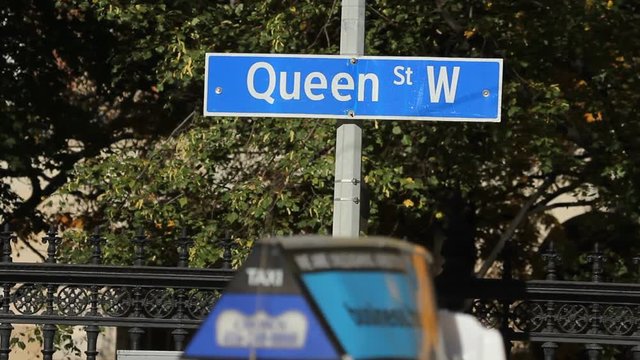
(568, 126)
(61, 101)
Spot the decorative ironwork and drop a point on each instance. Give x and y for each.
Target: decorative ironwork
(159, 303)
(550, 317)
(551, 258)
(597, 260)
(72, 300)
(184, 243)
(548, 312)
(487, 312)
(96, 242)
(227, 244)
(528, 316)
(28, 299)
(573, 318)
(5, 298)
(200, 303)
(618, 320)
(139, 242)
(53, 240)
(116, 301)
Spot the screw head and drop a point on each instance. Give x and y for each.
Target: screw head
(218, 90)
(486, 93)
(351, 113)
(353, 60)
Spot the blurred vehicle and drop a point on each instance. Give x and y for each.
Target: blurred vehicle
(319, 297)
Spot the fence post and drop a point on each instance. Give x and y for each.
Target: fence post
(5, 340)
(5, 328)
(93, 330)
(635, 351)
(180, 334)
(49, 330)
(227, 245)
(551, 258)
(96, 241)
(135, 333)
(507, 254)
(139, 241)
(597, 260)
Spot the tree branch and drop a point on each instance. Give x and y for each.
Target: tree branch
(539, 209)
(515, 223)
(27, 207)
(323, 29)
(179, 127)
(562, 190)
(383, 16)
(33, 249)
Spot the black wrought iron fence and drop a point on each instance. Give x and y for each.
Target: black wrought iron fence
(549, 312)
(553, 313)
(136, 298)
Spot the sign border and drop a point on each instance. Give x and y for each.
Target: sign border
(355, 116)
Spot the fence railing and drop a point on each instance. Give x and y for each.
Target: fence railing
(137, 298)
(133, 297)
(553, 312)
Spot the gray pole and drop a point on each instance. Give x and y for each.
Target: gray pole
(346, 195)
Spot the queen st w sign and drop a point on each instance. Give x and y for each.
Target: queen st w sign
(323, 86)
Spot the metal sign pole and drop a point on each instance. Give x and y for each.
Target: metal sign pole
(346, 195)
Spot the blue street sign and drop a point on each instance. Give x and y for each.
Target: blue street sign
(369, 87)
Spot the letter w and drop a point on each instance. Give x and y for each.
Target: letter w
(443, 82)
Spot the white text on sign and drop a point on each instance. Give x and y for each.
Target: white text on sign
(264, 277)
(316, 86)
(314, 83)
